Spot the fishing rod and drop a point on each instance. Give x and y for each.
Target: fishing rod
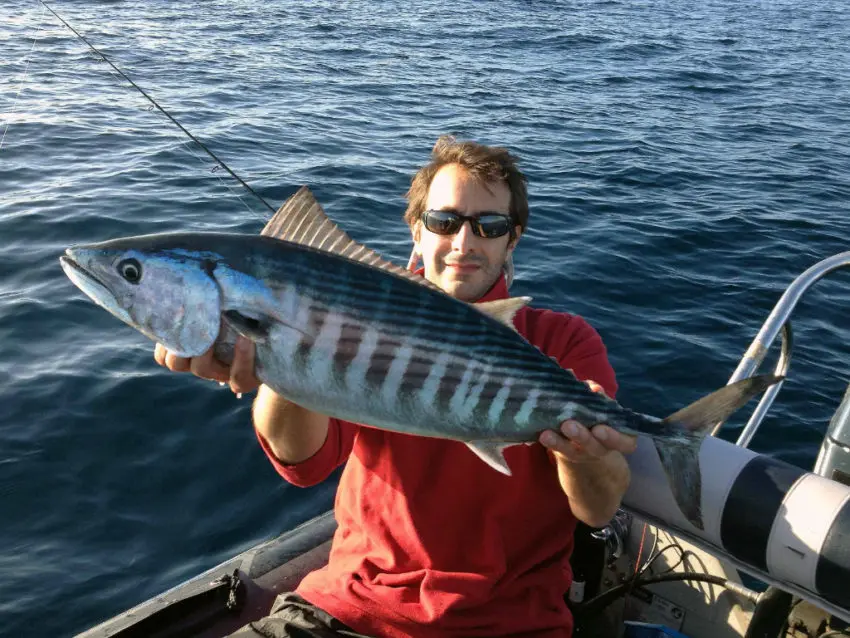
(215, 157)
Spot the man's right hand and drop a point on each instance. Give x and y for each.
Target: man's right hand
(239, 375)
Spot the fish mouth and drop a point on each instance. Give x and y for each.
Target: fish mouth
(91, 285)
(76, 272)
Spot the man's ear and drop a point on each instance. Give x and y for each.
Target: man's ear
(517, 234)
(413, 262)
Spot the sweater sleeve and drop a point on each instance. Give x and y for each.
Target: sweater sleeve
(333, 453)
(578, 347)
(589, 358)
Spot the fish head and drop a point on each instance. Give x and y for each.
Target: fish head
(169, 295)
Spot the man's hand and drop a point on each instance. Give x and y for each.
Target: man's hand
(579, 444)
(591, 467)
(239, 375)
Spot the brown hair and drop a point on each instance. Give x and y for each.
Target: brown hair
(483, 163)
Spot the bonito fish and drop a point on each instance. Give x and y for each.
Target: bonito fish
(340, 331)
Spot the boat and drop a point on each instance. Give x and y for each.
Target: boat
(771, 560)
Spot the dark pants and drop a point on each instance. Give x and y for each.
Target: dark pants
(293, 617)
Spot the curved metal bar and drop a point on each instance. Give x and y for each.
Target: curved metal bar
(782, 365)
(775, 322)
(770, 394)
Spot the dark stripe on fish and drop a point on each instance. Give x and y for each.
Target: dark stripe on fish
(450, 381)
(491, 388)
(381, 359)
(417, 371)
(519, 393)
(315, 321)
(348, 344)
(486, 399)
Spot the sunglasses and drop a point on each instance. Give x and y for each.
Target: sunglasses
(447, 222)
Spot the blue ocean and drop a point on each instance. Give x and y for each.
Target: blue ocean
(686, 162)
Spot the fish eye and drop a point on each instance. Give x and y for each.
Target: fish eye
(131, 270)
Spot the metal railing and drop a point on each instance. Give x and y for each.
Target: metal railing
(778, 322)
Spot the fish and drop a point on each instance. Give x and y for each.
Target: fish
(341, 331)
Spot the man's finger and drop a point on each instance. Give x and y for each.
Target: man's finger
(208, 367)
(558, 444)
(573, 441)
(242, 375)
(159, 353)
(177, 364)
(613, 440)
(580, 435)
(596, 387)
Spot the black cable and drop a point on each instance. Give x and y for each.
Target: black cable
(682, 554)
(164, 112)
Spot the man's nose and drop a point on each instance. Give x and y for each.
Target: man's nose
(464, 238)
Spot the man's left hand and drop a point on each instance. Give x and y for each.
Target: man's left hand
(580, 444)
(592, 470)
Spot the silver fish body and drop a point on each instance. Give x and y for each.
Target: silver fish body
(351, 340)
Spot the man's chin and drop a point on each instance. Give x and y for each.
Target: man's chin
(464, 290)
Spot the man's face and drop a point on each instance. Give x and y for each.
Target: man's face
(464, 265)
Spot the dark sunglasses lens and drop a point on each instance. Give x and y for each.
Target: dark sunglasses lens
(494, 225)
(442, 222)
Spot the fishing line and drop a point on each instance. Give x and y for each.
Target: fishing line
(214, 171)
(218, 160)
(188, 147)
(23, 79)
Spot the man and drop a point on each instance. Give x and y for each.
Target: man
(431, 541)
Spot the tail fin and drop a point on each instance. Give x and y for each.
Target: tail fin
(679, 454)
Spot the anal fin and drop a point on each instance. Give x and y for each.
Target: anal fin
(492, 453)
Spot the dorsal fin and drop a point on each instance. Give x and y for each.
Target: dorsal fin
(301, 220)
(503, 309)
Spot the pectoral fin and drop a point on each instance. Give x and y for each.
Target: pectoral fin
(255, 329)
(492, 453)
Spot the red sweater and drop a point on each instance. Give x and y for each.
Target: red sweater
(433, 542)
